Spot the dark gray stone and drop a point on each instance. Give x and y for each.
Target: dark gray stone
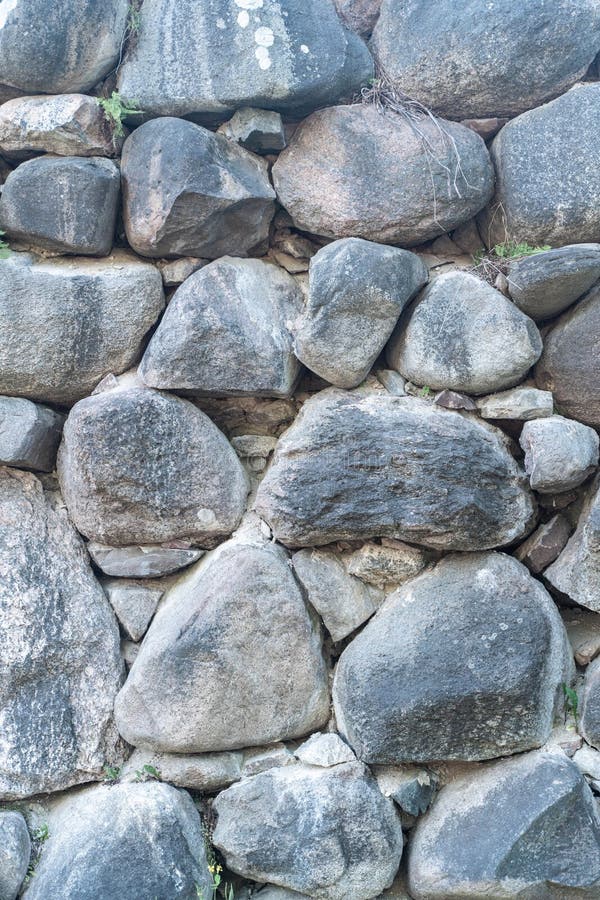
(464, 335)
(358, 465)
(225, 55)
(413, 789)
(545, 284)
(65, 324)
(473, 59)
(353, 171)
(61, 667)
(146, 561)
(547, 177)
(328, 833)
(124, 842)
(590, 705)
(559, 453)
(225, 332)
(258, 130)
(359, 15)
(61, 47)
(15, 851)
(466, 662)
(189, 192)
(544, 844)
(138, 465)
(545, 544)
(29, 434)
(357, 290)
(64, 204)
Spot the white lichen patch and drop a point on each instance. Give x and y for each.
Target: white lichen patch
(264, 36)
(304, 48)
(220, 23)
(262, 55)
(249, 4)
(243, 18)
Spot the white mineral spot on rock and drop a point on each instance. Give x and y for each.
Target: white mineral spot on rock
(221, 23)
(264, 36)
(243, 19)
(262, 55)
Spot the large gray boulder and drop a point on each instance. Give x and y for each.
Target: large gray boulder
(207, 196)
(125, 842)
(61, 47)
(61, 667)
(559, 453)
(354, 171)
(569, 364)
(354, 466)
(232, 658)
(357, 290)
(545, 843)
(65, 324)
(140, 466)
(29, 434)
(64, 204)
(472, 59)
(15, 852)
(547, 178)
(463, 335)
(225, 332)
(466, 661)
(545, 284)
(327, 833)
(223, 56)
(359, 15)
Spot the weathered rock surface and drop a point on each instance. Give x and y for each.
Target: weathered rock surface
(547, 180)
(232, 659)
(65, 324)
(189, 192)
(464, 335)
(569, 364)
(258, 130)
(385, 564)
(206, 772)
(357, 290)
(559, 453)
(224, 56)
(411, 788)
(460, 59)
(65, 204)
(225, 332)
(126, 841)
(341, 600)
(60, 666)
(138, 465)
(464, 662)
(576, 572)
(546, 843)
(587, 761)
(15, 850)
(359, 15)
(590, 705)
(583, 629)
(66, 125)
(545, 544)
(29, 434)
(363, 465)
(146, 561)
(324, 750)
(402, 196)
(520, 404)
(545, 284)
(328, 833)
(134, 603)
(175, 271)
(71, 47)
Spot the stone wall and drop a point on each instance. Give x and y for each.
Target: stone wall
(299, 497)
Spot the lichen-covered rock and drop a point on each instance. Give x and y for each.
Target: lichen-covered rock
(60, 664)
(232, 659)
(325, 832)
(590, 705)
(357, 290)
(544, 284)
(63, 47)
(401, 196)
(559, 453)
(123, 842)
(460, 59)
(137, 465)
(225, 332)
(359, 465)
(464, 335)
(359, 15)
(15, 852)
(547, 178)
(546, 842)
(464, 662)
(65, 324)
(29, 434)
(64, 204)
(569, 364)
(189, 192)
(224, 55)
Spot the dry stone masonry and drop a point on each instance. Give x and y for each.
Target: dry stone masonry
(299, 450)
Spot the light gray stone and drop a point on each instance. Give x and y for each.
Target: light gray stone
(411, 788)
(29, 434)
(357, 290)
(385, 564)
(261, 759)
(325, 750)
(559, 453)
(232, 658)
(175, 271)
(583, 628)
(520, 404)
(545, 544)
(207, 196)
(546, 842)
(15, 851)
(328, 833)
(225, 332)
(205, 772)
(464, 335)
(138, 465)
(589, 703)
(576, 572)
(145, 561)
(359, 15)
(134, 603)
(545, 284)
(61, 667)
(587, 761)
(258, 130)
(392, 382)
(360, 465)
(465, 662)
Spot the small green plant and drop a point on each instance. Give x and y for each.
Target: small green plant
(111, 774)
(514, 250)
(41, 833)
(571, 700)
(425, 391)
(116, 111)
(4, 248)
(146, 773)
(133, 19)
(39, 836)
